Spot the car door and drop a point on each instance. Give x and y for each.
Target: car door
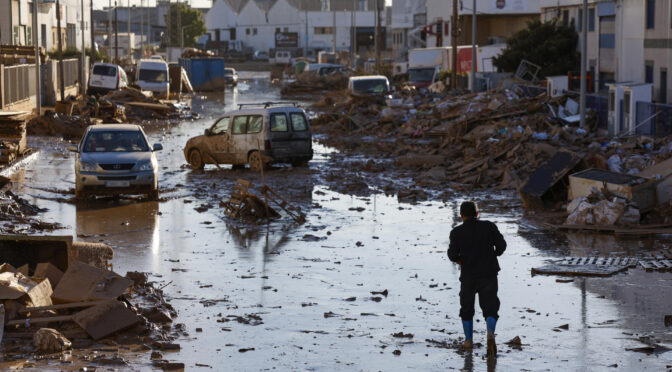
(301, 140)
(219, 137)
(254, 134)
(280, 136)
(238, 147)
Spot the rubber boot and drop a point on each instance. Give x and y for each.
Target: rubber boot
(492, 345)
(468, 326)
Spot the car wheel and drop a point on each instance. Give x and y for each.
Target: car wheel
(196, 160)
(255, 162)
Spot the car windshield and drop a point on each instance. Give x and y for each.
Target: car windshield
(370, 86)
(153, 76)
(228, 71)
(104, 70)
(115, 141)
(421, 74)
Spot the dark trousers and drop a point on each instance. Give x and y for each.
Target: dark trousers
(487, 297)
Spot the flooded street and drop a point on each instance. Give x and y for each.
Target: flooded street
(329, 294)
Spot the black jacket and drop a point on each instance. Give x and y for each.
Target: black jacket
(476, 244)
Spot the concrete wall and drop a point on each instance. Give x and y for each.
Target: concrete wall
(5, 23)
(658, 50)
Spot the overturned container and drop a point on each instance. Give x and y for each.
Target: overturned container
(640, 191)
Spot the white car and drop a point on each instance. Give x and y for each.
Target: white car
(106, 77)
(152, 75)
(283, 57)
(371, 84)
(115, 159)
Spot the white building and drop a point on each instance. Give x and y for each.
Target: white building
(256, 23)
(408, 17)
(496, 20)
(628, 40)
(16, 23)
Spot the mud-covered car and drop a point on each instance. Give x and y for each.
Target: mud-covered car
(254, 136)
(115, 159)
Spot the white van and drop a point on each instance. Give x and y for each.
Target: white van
(152, 75)
(106, 77)
(283, 57)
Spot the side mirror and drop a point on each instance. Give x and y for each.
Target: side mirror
(73, 148)
(157, 147)
(206, 132)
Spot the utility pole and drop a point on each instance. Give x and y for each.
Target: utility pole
(378, 36)
(584, 49)
(93, 38)
(142, 31)
(61, 73)
(305, 38)
(453, 43)
(168, 29)
(128, 25)
(38, 65)
(82, 63)
(333, 30)
(179, 23)
(109, 28)
(473, 49)
(354, 35)
(116, 33)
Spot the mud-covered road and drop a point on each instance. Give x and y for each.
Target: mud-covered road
(329, 294)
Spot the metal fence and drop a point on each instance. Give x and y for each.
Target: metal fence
(599, 104)
(18, 83)
(70, 72)
(653, 119)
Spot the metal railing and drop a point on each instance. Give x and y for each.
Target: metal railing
(18, 83)
(70, 72)
(653, 119)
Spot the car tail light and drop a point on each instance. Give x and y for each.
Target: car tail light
(267, 145)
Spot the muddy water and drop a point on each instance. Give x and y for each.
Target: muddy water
(299, 297)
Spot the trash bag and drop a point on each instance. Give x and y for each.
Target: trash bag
(580, 214)
(630, 217)
(614, 163)
(608, 212)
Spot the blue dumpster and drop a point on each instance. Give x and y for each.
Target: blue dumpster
(204, 73)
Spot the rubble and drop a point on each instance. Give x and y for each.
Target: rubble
(12, 136)
(602, 208)
(310, 81)
(118, 106)
(48, 340)
(244, 203)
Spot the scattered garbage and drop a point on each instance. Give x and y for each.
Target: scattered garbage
(244, 203)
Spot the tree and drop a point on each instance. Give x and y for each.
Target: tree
(192, 22)
(549, 45)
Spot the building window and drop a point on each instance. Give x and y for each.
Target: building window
(591, 19)
(663, 85)
(322, 31)
(247, 31)
(580, 22)
(254, 31)
(277, 30)
(286, 29)
(650, 14)
(648, 72)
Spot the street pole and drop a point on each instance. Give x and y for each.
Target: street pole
(142, 31)
(333, 30)
(473, 49)
(82, 63)
(584, 49)
(378, 38)
(93, 38)
(179, 22)
(453, 43)
(354, 37)
(38, 93)
(116, 33)
(305, 39)
(61, 72)
(128, 25)
(109, 28)
(168, 29)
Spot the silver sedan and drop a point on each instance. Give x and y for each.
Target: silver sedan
(115, 159)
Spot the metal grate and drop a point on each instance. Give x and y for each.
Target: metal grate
(117, 167)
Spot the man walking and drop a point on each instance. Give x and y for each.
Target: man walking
(475, 245)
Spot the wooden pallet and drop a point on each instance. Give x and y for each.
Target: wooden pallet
(587, 266)
(238, 195)
(656, 265)
(294, 212)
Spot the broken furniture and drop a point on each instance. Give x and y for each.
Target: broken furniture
(244, 203)
(640, 191)
(548, 184)
(12, 135)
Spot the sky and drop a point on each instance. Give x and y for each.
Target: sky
(100, 4)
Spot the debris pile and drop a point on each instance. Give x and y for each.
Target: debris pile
(493, 139)
(18, 214)
(118, 106)
(80, 308)
(197, 53)
(602, 208)
(310, 81)
(12, 136)
(11, 55)
(244, 203)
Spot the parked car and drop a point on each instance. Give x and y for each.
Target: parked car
(115, 159)
(370, 84)
(231, 76)
(106, 77)
(282, 134)
(283, 57)
(260, 56)
(152, 75)
(323, 69)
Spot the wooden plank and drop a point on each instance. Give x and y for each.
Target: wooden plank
(667, 263)
(610, 261)
(73, 305)
(62, 318)
(646, 265)
(578, 270)
(105, 319)
(657, 264)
